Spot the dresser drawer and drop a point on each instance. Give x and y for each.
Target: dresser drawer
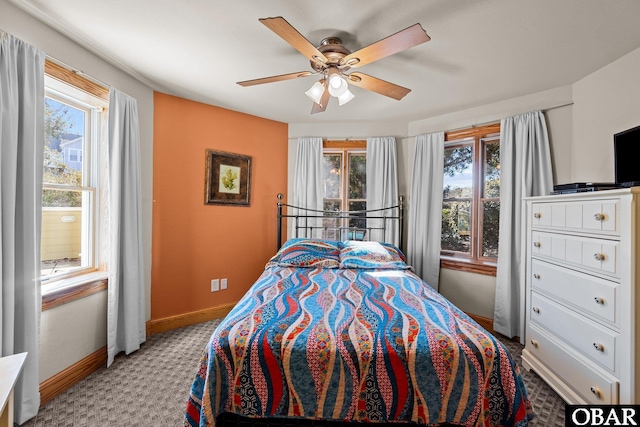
(594, 386)
(595, 254)
(591, 295)
(588, 216)
(595, 341)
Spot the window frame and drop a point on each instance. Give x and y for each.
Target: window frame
(344, 148)
(81, 282)
(473, 262)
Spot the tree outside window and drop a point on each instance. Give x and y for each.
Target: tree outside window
(344, 180)
(57, 131)
(471, 195)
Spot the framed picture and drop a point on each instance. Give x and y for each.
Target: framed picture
(227, 179)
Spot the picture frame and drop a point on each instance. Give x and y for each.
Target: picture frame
(227, 179)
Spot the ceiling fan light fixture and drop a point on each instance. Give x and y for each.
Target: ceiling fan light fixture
(345, 97)
(332, 60)
(316, 91)
(337, 85)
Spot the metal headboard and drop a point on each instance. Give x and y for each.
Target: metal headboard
(302, 228)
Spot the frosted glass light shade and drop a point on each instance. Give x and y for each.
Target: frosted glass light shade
(315, 92)
(337, 85)
(345, 97)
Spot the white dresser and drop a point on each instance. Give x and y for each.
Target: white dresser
(582, 280)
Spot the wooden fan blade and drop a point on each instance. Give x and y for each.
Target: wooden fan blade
(285, 30)
(275, 78)
(395, 43)
(377, 85)
(319, 108)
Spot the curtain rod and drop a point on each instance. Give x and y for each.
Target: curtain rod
(337, 138)
(497, 121)
(78, 72)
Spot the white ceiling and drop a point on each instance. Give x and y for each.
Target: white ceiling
(480, 51)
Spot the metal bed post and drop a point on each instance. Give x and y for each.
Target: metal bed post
(401, 222)
(280, 196)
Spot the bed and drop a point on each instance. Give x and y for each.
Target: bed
(344, 331)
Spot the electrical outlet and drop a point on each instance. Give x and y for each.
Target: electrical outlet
(223, 284)
(215, 285)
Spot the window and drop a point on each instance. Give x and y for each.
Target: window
(471, 198)
(74, 155)
(344, 178)
(71, 180)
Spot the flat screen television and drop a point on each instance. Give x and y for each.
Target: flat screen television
(626, 148)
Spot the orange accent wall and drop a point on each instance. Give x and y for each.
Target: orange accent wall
(193, 242)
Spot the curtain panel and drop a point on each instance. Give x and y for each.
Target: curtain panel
(21, 168)
(525, 170)
(425, 209)
(307, 183)
(382, 186)
(125, 302)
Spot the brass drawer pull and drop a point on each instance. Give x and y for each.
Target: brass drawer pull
(599, 217)
(536, 310)
(598, 257)
(536, 276)
(534, 343)
(536, 244)
(599, 300)
(537, 215)
(595, 391)
(598, 346)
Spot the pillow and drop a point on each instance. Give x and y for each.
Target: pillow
(394, 251)
(304, 252)
(371, 255)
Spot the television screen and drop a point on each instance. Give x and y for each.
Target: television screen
(626, 148)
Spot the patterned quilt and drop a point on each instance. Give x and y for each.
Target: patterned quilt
(346, 331)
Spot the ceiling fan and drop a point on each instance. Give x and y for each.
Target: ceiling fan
(332, 60)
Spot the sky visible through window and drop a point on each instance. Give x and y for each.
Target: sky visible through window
(75, 117)
(463, 179)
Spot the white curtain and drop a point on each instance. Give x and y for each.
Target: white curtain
(525, 170)
(382, 186)
(307, 184)
(126, 302)
(425, 207)
(21, 160)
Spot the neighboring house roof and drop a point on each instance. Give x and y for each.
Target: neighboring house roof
(73, 143)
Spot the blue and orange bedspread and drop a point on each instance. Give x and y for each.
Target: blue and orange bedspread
(356, 344)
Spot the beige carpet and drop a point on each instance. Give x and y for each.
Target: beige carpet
(150, 387)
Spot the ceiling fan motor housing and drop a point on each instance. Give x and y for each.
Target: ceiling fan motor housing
(334, 51)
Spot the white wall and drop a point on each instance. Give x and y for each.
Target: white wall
(81, 325)
(606, 102)
(470, 292)
(71, 332)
